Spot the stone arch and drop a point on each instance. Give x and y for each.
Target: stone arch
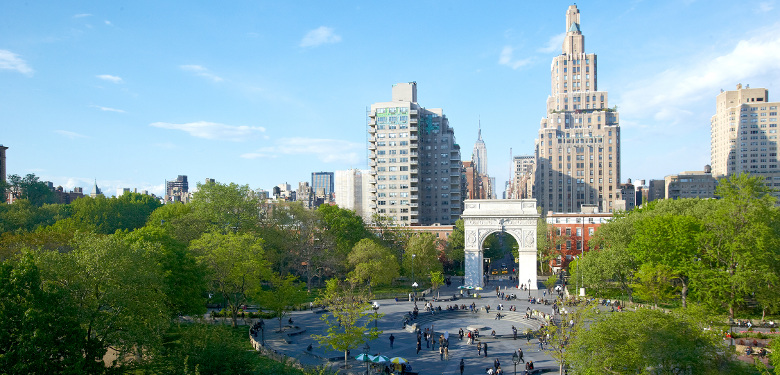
(516, 217)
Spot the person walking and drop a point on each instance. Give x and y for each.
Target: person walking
(514, 333)
(479, 349)
(462, 366)
(496, 365)
(484, 349)
(419, 346)
(392, 338)
(520, 354)
(441, 353)
(460, 334)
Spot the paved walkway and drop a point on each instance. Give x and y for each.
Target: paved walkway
(428, 361)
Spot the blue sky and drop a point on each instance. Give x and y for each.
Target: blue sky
(132, 93)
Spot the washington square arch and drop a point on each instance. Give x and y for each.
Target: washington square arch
(516, 217)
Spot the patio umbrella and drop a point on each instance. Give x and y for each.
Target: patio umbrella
(398, 360)
(478, 288)
(380, 359)
(365, 357)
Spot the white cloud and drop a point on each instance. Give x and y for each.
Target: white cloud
(326, 150)
(676, 88)
(107, 22)
(213, 130)
(12, 61)
(555, 43)
(506, 58)
(201, 71)
(319, 36)
(69, 134)
(108, 109)
(110, 78)
(81, 15)
(766, 6)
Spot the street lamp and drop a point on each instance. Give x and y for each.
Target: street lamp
(529, 288)
(414, 285)
(365, 356)
(376, 313)
(515, 360)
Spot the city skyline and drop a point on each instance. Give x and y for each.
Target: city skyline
(264, 93)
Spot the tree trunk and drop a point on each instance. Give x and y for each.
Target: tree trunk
(684, 294)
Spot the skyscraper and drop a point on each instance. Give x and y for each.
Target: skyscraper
(322, 183)
(744, 135)
(479, 155)
(415, 166)
(578, 148)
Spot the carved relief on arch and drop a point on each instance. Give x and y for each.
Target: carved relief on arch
(530, 238)
(517, 234)
(471, 238)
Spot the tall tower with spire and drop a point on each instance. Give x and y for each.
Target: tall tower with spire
(578, 148)
(479, 156)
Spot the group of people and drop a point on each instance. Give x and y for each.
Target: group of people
(427, 335)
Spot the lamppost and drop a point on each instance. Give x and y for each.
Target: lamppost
(365, 355)
(376, 313)
(414, 281)
(731, 331)
(529, 288)
(515, 360)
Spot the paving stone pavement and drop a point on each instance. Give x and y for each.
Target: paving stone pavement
(429, 361)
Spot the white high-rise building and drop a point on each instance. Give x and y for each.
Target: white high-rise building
(415, 165)
(744, 135)
(578, 148)
(349, 190)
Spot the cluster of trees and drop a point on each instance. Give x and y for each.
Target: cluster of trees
(98, 285)
(722, 253)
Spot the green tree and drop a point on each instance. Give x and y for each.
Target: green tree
(235, 265)
(117, 292)
(107, 215)
(348, 318)
(346, 227)
(437, 280)
(372, 263)
(227, 208)
(209, 349)
(671, 240)
(635, 342)
(179, 221)
(654, 282)
(548, 243)
(421, 256)
(740, 245)
(456, 246)
(558, 336)
(183, 277)
(284, 295)
(31, 188)
(39, 329)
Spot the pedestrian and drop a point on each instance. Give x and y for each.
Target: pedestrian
(484, 349)
(514, 332)
(392, 338)
(460, 334)
(427, 338)
(419, 346)
(496, 364)
(447, 353)
(441, 353)
(520, 353)
(479, 349)
(462, 366)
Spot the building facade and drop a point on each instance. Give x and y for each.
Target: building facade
(415, 164)
(572, 232)
(322, 183)
(690, 184)
(177, 190)
(3, 171)
(350, 188)
(578, 148)
(744, 135)
(522, 184)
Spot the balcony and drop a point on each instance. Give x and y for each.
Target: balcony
(413, 120)
(413, 112)
(413, 180)
(414, 170)
(413, 137)
(415, 196)
(414, 221)
(372, 146)
(371, 130)
(372, 190)
(412, 204)
(372, 181)
(413, 154)
(371, 163)
(373, 197)
(413, 145)
(372, 172)
(372, 205)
